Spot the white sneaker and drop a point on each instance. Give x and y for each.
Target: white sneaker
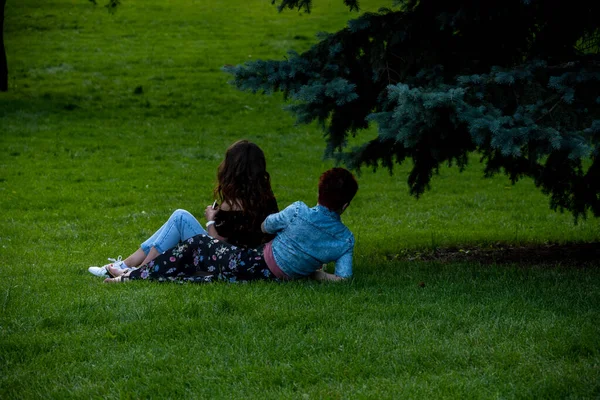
(98, 271)
(103, 272)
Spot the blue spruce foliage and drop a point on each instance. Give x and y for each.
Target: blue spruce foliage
(516, 81)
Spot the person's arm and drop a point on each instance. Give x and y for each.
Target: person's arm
(210, 213)
(321, 275)
(343, 265)
(212, 231)
(278, 221)
(262, 227)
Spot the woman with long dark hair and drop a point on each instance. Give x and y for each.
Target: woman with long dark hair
(245, 199)
(245, 196)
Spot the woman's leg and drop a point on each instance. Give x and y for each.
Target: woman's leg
(152, 254)
(135, 259)
(180, 226)
(204, 259)
(183, 260)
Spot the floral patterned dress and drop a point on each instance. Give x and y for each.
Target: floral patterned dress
(204, 259)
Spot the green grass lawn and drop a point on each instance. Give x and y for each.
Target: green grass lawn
(113, 121)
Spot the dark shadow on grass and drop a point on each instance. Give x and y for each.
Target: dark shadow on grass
(36, 105)
(568, 255)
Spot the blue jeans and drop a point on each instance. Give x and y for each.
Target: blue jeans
(181, 226)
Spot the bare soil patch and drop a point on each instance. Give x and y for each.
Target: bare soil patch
(569, 254)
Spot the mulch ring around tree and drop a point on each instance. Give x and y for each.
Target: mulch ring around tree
(569, 254)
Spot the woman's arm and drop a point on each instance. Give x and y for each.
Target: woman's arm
(212, 231)
(210, 213)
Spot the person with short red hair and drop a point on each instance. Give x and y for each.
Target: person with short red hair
(305, 239)
(310, 237)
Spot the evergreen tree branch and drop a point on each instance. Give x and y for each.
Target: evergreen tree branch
(527, 102)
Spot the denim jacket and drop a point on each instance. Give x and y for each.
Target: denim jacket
(308, 237)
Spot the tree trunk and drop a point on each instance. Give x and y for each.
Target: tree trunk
(3, 63)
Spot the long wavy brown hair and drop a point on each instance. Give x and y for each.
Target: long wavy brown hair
(243, 181)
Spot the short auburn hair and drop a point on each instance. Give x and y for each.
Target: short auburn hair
(337, 187)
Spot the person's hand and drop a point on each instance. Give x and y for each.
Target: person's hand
(324, 276)
(210, 213)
